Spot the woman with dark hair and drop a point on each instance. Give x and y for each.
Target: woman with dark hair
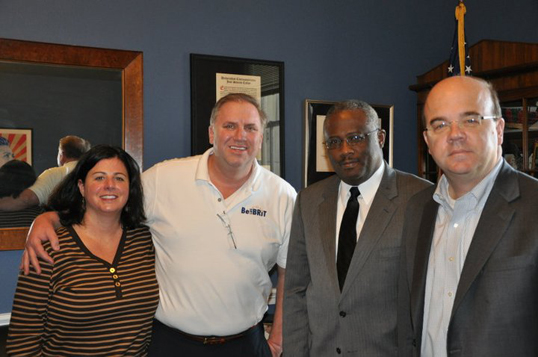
(100, 295)
(15, 177)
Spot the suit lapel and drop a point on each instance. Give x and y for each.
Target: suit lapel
(327, 228)
(494, 221)
(418, 258)
(382, 209)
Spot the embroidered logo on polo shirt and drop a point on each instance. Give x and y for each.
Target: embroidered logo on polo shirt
(253, 211)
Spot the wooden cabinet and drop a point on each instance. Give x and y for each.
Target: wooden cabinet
(512, 67)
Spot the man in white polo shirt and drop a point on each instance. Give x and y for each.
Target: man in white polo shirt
(220, 222)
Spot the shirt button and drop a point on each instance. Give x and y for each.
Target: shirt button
(343, 313)
(450, 293)
(456, 225)
(115, 276)
(451, 259)
(117, 284)
(112, 270)
(219, 199)
(338, 350)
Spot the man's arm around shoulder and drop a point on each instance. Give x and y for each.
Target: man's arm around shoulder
(43, 229)
(26, 199)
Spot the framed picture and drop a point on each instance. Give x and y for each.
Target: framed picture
(20, 143)
(316, 165)
(212, 77)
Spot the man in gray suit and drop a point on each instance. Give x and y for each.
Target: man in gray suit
(359, 318)
(469, 283)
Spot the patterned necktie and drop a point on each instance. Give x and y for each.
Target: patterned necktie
(347, 238)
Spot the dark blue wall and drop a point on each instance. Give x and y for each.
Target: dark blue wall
(368, 49)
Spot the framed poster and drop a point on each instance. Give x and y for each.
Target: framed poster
(212, 77)
(20, 143)
(316, 165)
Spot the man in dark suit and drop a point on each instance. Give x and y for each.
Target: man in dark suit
(350, 310)
(469, 283)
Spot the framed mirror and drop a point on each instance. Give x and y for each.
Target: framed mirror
(57, 90)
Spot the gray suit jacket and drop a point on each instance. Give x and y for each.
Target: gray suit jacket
(495, 310)
(360, 321)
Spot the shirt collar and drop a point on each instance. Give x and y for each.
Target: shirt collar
(202, 171)
(368, 189)
(478, 194)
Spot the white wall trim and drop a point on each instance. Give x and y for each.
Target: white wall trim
(4, 319)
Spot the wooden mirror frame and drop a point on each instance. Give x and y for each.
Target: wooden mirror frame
(130, 65)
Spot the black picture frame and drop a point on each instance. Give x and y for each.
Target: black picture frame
(203, 97)
(312, 109)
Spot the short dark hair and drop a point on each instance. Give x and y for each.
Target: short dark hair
(73, 147)
(354, 104)
(67, 200)
(238, 97)
(15, 177)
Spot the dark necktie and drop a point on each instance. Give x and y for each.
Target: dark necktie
(347, 238)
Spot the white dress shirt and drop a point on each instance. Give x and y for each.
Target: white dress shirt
(454, 229)
(368, 189)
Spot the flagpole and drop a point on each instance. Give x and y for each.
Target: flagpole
(460, 14)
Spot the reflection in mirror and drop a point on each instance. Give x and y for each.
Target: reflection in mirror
(15, 177)
(58, 90)
(55, 101)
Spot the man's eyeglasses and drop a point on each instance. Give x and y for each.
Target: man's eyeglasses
(474, 121)
(351, 140)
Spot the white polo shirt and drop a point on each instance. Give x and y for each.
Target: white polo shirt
(207, 287)
(49, 179)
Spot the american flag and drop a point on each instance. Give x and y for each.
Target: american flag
(459, 53)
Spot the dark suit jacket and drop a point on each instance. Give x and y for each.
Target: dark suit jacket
(360, 321)
(495, 310)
